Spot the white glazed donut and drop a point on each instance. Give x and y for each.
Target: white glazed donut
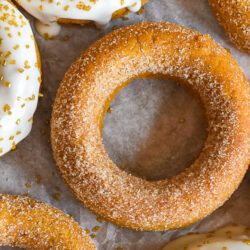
(228, 238)
(20, 76)
(48, 12)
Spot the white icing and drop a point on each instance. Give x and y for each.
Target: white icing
(47, 30)
(99, 11)
(227, 238)
(19, 77)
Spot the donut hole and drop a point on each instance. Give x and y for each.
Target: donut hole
(154, 129)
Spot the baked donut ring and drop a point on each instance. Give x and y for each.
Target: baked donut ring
(32, 224)
(152, 50)
(234, 17)
(20, 76)
(79, 12)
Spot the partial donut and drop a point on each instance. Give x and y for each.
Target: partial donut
(152, 50)
(227, 238)
(234, 17)
(32, 224)
(50, 12)
(20, 76)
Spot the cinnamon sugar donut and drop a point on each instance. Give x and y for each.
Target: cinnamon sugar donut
(80, 12)
(32, 224)
(234, 17)
(152, 50)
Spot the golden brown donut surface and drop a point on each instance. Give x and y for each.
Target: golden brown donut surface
(152, 50)
(32, 224)
(234, 17)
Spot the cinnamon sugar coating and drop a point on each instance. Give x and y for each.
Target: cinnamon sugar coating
(152, 50)
(234, 17)
(32, 224)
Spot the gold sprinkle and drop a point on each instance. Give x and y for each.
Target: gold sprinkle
(13, 146)
(32, 98)
(26, 64)
(7, 54)
(28, 185)
(87, 231)
(1, 138)
(40, 7)
(6, 108)
(18, 132)
(7, 84)
(38, 179)
(125, 18)
(99, 219)
(92, 236)
(66, 38)
(12, 61)
(11, 138)
(39, 79)
(20, 70)
(122, 2)
(66, 8)
(246, 242)
(57, 196)
(115, 27)
(122, 166)
(40, 95)
(95, 229)
(109, 110)
(31, 119)
(26, 194)
(1, 150)
(82, 6)
(4, 63)
(16, 47)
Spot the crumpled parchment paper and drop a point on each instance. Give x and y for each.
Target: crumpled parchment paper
(155, 130)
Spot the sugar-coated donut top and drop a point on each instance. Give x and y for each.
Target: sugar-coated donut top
(32, 224)
(99, 11)
(19, 77)
(84, 95)
(227, 238)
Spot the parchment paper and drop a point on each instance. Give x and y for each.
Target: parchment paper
(155, 129)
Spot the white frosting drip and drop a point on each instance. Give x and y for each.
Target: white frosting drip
(99, 11)
(19, 77)
(227, 238)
